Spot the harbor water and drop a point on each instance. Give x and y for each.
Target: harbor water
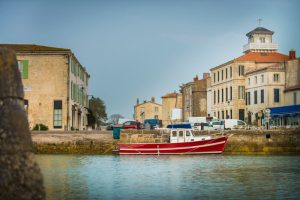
(170, 177)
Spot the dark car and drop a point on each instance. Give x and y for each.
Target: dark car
(132, 125)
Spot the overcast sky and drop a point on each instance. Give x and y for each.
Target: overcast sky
(139, 49)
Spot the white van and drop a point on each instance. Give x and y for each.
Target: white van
(216, 125)
(230, 124)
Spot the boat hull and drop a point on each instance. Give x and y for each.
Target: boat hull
(215, 145)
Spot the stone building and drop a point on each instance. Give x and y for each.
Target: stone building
(194, 98)
(171, 105)
(187, 100)
(229, 80)
(147, 110)
(55, 86)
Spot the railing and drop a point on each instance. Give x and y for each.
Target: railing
(260, 46)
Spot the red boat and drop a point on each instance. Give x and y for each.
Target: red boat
(182, 141)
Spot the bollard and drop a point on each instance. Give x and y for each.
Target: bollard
(20, 176)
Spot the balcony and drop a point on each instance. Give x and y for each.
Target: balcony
(260, 47)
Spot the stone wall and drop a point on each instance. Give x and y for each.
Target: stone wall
(239, 141)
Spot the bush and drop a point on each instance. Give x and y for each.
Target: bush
(40, 127)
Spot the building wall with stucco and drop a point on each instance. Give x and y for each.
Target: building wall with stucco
(169, 102)
(147, 110)
(52, 78)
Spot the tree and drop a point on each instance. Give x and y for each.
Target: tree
(114, 118)
(98, 110)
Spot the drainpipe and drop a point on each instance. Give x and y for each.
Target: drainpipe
(68, 96)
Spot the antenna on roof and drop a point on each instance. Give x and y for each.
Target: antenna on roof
(259, 22)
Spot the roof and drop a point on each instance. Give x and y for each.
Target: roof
(170, 95)
(291, 88)
(275, 67)
(260, 30)
(33, 48)
(263, 57)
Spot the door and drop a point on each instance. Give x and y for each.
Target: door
(180, 136)
(241, 114)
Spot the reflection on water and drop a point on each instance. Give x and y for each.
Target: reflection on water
(170, 177)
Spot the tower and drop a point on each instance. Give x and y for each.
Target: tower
(260, 40)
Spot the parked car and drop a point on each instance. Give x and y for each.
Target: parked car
(216, 125)
(132, 125)
(230, 124)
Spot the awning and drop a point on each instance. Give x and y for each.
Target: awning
(285, 111)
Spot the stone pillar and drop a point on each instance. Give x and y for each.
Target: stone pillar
(20, 176)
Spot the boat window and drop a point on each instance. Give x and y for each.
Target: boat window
(174, 133)
(180, 133)
(188, 133)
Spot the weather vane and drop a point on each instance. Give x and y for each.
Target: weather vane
(259, 22)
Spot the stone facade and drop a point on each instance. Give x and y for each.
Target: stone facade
(55, 87)
(147, 110)
(170, 102)
(187, 100)
(200, 97)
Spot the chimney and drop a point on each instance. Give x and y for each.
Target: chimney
(137, 101)
(196, 78)
(153, 99)
(292, 54)
(206, 75)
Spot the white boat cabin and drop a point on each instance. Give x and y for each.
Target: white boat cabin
(185, 135)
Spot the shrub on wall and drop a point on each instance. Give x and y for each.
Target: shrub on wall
(40, 127)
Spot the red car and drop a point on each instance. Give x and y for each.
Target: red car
(132, 125)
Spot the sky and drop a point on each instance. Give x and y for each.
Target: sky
(142, 49)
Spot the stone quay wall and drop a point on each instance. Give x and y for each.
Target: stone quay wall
(243, 142)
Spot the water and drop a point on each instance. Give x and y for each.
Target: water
(170, 177)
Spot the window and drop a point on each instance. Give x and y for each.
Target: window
(174, 134)
(295, 98)
(222, 74)
(262, 39)
(155, 116)
(255, 97)
(218, 114)
(222, 114)
(226, 73)
(180, 133)
(262, 96)
(227, 117)
(249, 98)
(255, 78)
(156, 109)
(188, 133)
(57, 115)
(276, 95)
(241, 92)
(218, 96)
(222, 95)
(262, 78)
(23, 68)
(241, 70)
(276, 77)
(230, 72)
(248, 81)
(230, 92)
(230, 114)
(214, 97)
(214, 77)
(218, 76)
(226, 93)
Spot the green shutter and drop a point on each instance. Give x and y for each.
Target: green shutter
(25, 69)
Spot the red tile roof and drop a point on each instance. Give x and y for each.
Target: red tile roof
(33, 48)
(263, 57)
